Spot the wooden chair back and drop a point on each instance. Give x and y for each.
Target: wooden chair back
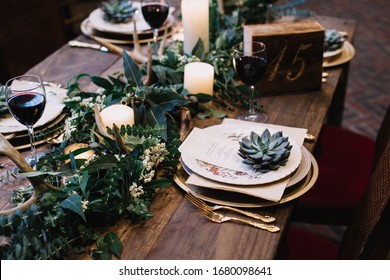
(367, 235)
(382, 138)
(29, 31)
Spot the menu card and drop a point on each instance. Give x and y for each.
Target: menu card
(214, 150)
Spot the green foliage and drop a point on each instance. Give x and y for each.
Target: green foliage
(96, 192)
(3, 102)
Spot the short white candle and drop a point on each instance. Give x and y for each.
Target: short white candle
(195, 19)
(117, 114)
(199, 78)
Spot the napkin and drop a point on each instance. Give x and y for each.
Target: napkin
(53, 108)
(272, 191)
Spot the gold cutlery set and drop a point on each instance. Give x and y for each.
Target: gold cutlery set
(209, 212)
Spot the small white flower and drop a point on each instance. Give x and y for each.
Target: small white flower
(84, 204)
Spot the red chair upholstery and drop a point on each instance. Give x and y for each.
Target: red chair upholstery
(341, 153)
(367, 234)
(346, 160)
(301, 244)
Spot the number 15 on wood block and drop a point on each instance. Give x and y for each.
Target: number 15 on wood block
(295, 55)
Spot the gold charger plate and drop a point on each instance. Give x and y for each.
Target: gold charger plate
(21, 140)
(143, 37)
(246, 201)
(347, 53)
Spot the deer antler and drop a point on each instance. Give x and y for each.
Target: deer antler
(6, 149)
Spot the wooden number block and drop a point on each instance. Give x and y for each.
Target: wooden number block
(294, 52)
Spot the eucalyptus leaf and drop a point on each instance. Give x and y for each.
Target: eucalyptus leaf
(217, 114)
(169, 100)
(73, 203)
(156, 116)
(101, 82)
(203, 115)
(114, 243)
(84, 182)
(167, 75)
(132, 72)
(160, 183)
(199, 50)
(202, 97)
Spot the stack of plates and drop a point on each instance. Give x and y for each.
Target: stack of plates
(122, 33)
(224, 186)
(49, 126)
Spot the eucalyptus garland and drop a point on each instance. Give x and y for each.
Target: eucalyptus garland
(120, 177)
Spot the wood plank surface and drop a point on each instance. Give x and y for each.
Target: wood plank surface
(177, 230)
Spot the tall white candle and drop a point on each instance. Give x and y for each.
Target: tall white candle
(195, 18)
(117, 114)
(199, 78)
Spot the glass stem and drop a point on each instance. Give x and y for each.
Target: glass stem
(268, 16)
(155, 36)
(251, 101)
(30, 130)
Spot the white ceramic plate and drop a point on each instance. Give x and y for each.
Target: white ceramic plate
(296, 176)
(97, 21)
(53, 108)
(235, 132)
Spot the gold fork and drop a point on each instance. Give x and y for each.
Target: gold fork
(201, 204)
(218, 218)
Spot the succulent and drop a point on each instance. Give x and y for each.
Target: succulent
(265, 152)
(118, 11)
(3, 102)
(334, 40)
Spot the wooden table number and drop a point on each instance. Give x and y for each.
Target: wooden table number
(295, 55)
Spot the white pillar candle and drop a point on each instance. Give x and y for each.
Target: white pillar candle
(117, 114)
(199, 78)
(195, 18)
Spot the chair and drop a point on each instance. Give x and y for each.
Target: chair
(367, 235)
(30, 31)
(346, 160)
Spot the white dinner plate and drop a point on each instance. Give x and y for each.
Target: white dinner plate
(96, 19)
(235, 132)
(296, 176)
(54, 107)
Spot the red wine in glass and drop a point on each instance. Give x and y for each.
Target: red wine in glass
(250, 63)
(155, 13)
(26, 100)
(27, 107)
(250, 69)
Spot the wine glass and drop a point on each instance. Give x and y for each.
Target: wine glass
(155, 12)
(250, 62)
(26, 100)
(269, 6)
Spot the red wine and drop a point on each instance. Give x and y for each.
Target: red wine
(250, 69)
(27, 107)
(155, 14)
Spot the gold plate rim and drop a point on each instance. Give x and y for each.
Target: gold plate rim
(291, 193)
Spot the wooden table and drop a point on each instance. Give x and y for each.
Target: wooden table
(177, 230)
